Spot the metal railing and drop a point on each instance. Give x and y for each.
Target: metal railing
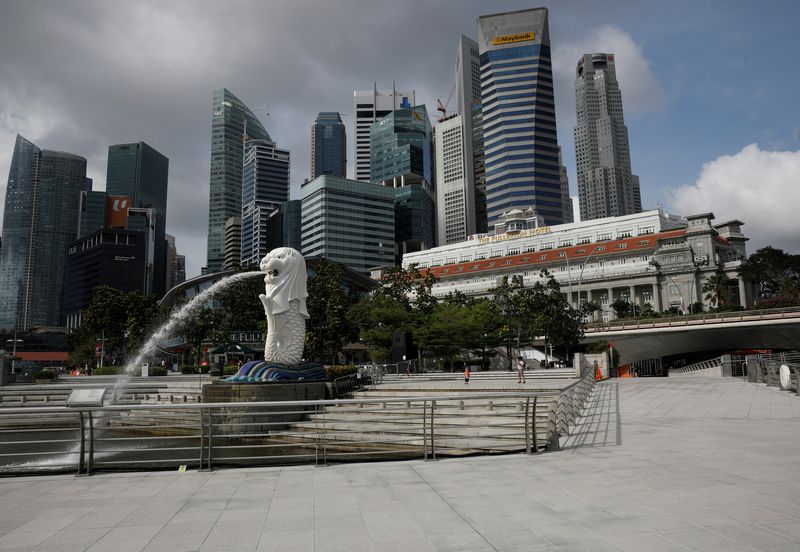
(697, 367)
(208, 435)
(768, 370)
(705, 318)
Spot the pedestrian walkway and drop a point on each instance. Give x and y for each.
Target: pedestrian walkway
(655, 465)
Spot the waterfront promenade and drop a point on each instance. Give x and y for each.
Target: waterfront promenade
(655, 465)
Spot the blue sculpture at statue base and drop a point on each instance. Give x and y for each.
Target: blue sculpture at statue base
(266, 371)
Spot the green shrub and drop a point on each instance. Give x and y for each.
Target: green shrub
(106, 370)
(230, 370)
(189, 369)
(45, 374)
(335, 372)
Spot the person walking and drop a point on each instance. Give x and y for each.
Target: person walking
(520, 369)
(466, 375)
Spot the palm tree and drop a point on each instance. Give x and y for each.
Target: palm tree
(716, 289)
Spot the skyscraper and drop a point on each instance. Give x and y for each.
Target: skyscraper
(348, 221)
(519, 119)
(42, 217)
(468, 96)
(229, 118)
(141, 173)
(566, 200)
(606, 185)
(328, 146)
(370, 106)
(455, 199)
(402, 158)
(265, 187)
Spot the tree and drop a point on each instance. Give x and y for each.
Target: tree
(328, 329)
(777, 273)
(447, 330)
(507, 299)
(588, 309)
(122, 318)
(378, 317)
(487, 322)
(205, 325)
(556, 320)
(716, 290)
(240, 309)
(621, 308)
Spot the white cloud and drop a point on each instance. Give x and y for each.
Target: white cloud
(761, 188)
(641, 91)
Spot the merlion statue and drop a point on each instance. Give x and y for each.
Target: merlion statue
(284, 301)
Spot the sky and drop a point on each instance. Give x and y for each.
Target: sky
(710, 88)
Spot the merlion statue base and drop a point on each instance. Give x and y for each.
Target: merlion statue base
(266, 371)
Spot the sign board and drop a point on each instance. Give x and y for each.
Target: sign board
(117, 211)
(86, 397)
(516, 37)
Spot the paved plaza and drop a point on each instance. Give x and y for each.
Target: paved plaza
(655, 465)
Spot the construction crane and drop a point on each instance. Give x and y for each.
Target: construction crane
(443, 108)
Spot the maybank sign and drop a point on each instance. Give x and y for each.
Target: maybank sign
(516, 37)
(513, 235)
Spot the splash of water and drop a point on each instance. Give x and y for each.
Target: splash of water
(181, 315)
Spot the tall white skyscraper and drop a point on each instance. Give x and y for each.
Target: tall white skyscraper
(455, 197)
(606, 185)
(370, 106)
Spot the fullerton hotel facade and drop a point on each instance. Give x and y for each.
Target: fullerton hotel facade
(649, 257)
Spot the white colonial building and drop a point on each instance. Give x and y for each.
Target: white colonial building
(648, 257)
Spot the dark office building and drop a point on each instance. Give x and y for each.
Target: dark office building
(328, 146)
(111, 257)
(141, 173)
(42, 217)
(93, 212)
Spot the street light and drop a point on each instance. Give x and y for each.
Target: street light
(14, 352)
(583, 266)
(102, 341)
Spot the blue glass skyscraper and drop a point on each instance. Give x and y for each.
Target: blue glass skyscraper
(265, 187)
(328, 146)
(519, 119)
(231, 120)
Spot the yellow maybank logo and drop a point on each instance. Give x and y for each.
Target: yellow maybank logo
(516, 37)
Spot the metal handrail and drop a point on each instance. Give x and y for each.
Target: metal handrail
(255, 433)
(692, 319)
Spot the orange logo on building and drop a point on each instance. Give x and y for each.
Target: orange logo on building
(117, 211)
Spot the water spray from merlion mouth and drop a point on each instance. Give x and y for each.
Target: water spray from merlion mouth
(189, 309)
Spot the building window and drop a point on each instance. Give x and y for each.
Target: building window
(673, 290)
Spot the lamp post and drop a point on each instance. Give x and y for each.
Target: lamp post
(656, 266)
(102, 340)
(583, 266)
(14, 352)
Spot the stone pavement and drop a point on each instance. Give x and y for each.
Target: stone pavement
(655, 465)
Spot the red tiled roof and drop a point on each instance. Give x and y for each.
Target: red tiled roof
(535, 258)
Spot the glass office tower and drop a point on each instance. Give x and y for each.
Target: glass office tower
(402, 158)
(140, 172)
(328, 146)
(231, 121)
(265, 187)
(519, 120)
(41, 218)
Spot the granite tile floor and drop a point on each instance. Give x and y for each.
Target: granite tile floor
(654, 465)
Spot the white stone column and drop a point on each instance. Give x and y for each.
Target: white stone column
(742, 293)
(656, 298)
